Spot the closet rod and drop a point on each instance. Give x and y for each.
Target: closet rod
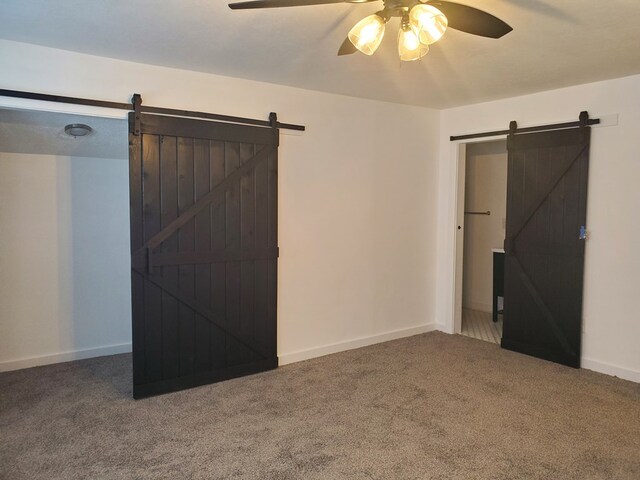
(488, 212)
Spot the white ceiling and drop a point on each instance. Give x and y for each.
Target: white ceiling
(555, 43)
(35, 132)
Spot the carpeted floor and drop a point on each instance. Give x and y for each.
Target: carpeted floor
(432, 406)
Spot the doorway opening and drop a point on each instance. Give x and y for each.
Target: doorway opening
(543, 234)
(178, 189)
(64, 254)
(484, 168)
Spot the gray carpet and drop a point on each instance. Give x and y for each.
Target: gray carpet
(432, 406)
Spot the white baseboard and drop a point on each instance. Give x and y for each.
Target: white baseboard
(441, 327)
(589, 364)
(284, 359)
(608, 369)
(29, 362)
(301, 355)
(479, 307)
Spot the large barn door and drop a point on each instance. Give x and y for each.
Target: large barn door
(545, 234)
(203, 251)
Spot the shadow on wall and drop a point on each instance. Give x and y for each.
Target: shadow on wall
(64, 258)
(96, 210)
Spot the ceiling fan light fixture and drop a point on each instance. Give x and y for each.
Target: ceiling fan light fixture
(409, 46)
(429, 22)
(426, 21)
(367, 34)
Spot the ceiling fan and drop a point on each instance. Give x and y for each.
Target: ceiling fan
(422, 23)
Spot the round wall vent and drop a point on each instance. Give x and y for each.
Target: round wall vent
(77, 130)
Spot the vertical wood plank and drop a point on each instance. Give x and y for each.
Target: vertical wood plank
(578, 278)
(152, 225)
(170, 325)
(235, 350)
(137, 314)
(153, 332)
(273, 263)
(541, 226)
(202, 244)
(515, 212)
(186, 243)
(135, 192)
(247, 242)
(217, 162)
(508, 274)
(556, 225)
(137, 239)
(571, 303)
(571, 206)
(261, 301)
(530, 191)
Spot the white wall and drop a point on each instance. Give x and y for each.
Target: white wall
(612, 276)
(64, 267)
(364, 216)
(485, 190)
(357, 199)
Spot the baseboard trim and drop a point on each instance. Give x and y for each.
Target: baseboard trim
(609, 369)
(287, 358)
(441, 327)
(480, 307)
(590, 364)
(7, 366)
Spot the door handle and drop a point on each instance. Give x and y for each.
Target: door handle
(583, 235)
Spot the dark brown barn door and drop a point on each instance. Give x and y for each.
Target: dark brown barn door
(544, 264)
(203, 251)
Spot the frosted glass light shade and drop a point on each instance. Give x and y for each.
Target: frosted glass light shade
(367, 34)
(429, 22)
(409, 46)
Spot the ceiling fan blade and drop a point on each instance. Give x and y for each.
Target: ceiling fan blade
(347, 48)
(287, 3)
(471, 20)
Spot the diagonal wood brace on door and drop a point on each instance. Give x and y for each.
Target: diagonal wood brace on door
(214, 197)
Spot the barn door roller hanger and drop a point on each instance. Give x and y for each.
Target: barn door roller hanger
(137, 106)
(584, 121)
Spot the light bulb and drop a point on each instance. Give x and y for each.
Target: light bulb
(429, 22)
(409, 46)
(367, 34)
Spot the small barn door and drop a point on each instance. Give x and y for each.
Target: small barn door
(544, 246)
(204, 251)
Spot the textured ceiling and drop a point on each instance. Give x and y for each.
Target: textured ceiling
(555, 43)
(37, 132)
